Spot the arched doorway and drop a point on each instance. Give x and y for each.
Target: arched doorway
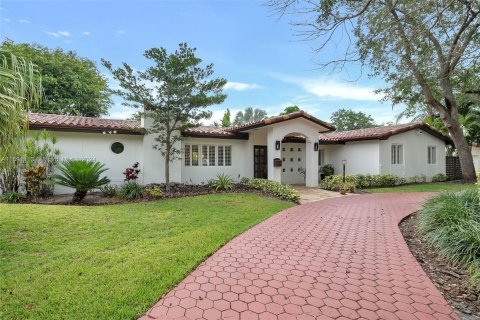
(293, 153)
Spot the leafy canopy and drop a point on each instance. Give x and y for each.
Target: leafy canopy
(345, 119)
(290, 109)
(249, 115)
(72, 84)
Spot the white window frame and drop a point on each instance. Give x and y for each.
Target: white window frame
(432, 155)
(212, 158)
(396, 153)
(321, 157)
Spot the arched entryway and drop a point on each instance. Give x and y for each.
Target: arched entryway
(293, 155)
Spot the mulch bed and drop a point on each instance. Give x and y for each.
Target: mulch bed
(451, 280)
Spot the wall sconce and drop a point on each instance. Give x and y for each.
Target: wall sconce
(315, 146)
(277, 145)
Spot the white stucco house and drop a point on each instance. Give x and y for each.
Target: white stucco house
(287, 149)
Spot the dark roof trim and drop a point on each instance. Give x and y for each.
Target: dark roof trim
(235, 136)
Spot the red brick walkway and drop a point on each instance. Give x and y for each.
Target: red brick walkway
(341, 258)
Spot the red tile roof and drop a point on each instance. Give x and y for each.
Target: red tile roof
(378, 133)
(77, 123)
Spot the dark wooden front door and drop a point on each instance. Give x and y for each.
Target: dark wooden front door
(260, 169)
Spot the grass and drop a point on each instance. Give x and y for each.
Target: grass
(423, 187)
(112, 262)
(450, 223)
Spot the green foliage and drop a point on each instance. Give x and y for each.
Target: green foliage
(439, 177)
(81, 175)
(327, 170)
(418, 179)
(354, 181)
(279, 190)
(174, 92)
(34, 179)
(249, 115)
(344, 119)
(73, 85)
(20, 90)
(131, 190)
(109, 190)
(226, 122)
(223, 182)
(290, 109)
(153, 192)
(450, 223)
(11, 197)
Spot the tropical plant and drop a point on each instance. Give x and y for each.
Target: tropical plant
(174, 93)
(20, 89)
(11, 197)
(132, 172)
(223, 182)
(327, 170)
(131, 190)
(439, 177)
(276, 189)
(81, 175)
(153, 192)
(34, 178)
(73, 85)
(109, 190)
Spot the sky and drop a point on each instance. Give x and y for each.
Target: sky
(267, 64)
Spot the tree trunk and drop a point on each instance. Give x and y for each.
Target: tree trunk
(463, 149)
(79, 195)
(167, 167)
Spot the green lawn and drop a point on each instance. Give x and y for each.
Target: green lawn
(430, 187)
(112, 262)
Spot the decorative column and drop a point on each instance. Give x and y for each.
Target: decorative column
(311, 163)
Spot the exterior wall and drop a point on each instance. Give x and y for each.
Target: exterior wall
(476, 157)
(415, 155)
(362, 157)
(241, 160)
(79, 145)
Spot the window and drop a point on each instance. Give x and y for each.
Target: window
(321, 157)
(117, 147)
(187, 155)
(432, 155)
(397, 154)
(228, 155)
(211, 155)
(220, 156)
(195, 155)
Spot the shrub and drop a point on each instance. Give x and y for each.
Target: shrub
(223, 182)
(131, 174)
(11, 197)
(439, 177)
(131, 190)
(153, 192)
(335, 182)
(34, 179)
(450, 223)
(327, 170)
(282, 191)
(81, 175)
(109, 190)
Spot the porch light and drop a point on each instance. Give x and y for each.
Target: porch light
(277, 145)
(315, 146)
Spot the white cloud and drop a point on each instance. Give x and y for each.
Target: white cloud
(120, 33)
(64, 33)
(241, 86)
(53, 34)
(7, 19)
(333, 89)
(86, 33)
(58, 34)
(23, 21)
(122, 114)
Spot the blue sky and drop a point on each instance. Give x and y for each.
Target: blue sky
(266, 64)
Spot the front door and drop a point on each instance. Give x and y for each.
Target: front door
(260, 169)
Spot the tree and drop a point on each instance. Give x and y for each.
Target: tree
(174, 93)
(249, 115)
(72, 84)
(427, 53)
(344, 120)
(226, 122)
(290, 109)
(20, 89)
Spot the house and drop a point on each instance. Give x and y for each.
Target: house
(287, 149)
(476, 155)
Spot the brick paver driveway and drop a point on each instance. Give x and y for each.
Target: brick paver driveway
(341, 258)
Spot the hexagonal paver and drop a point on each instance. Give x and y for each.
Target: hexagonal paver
(341, 258)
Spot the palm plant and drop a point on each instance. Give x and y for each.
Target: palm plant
(20, 88)
(81, 175)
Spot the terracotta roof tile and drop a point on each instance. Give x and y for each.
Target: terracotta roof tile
(40, 120)
(209, 130)
(378, 133)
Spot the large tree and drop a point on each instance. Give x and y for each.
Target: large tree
(345, 119)
(174, 92)
(290, 109)
(426, 51)
(72, 84)
(249, 115)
